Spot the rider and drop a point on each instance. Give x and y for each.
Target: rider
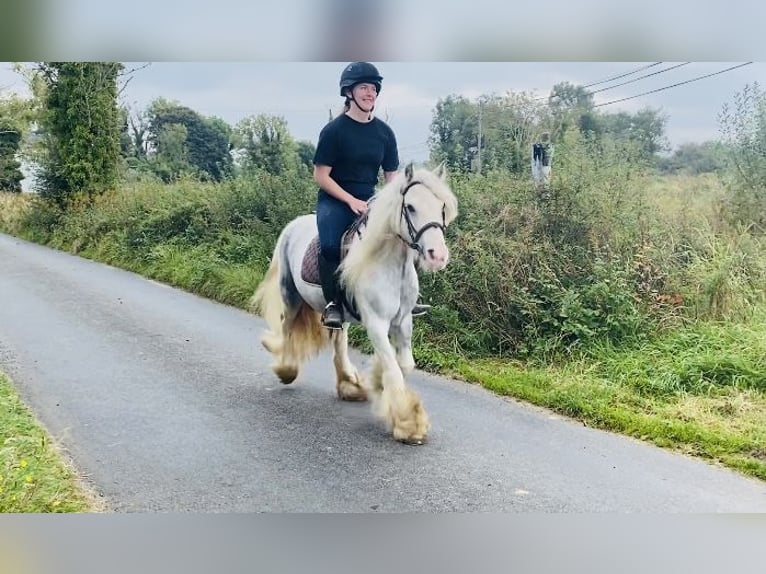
(350, 152)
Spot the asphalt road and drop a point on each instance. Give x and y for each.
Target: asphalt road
(165, 401)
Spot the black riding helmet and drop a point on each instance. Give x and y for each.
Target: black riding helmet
(358, 72)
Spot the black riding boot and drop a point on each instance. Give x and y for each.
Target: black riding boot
(332, 317)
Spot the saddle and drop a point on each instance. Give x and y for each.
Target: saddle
(310, 265)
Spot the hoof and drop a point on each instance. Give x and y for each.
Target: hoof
(412, 441)
(286, 374)
(351, 391)
(353, 399)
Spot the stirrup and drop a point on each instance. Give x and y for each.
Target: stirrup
(332, 316)
(420, 309)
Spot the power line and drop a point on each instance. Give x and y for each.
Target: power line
(639, 78)
(674, 85)
(621, 75)
(623, 83)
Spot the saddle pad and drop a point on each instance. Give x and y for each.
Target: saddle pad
(310, 265)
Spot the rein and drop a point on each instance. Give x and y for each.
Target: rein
(416, 234)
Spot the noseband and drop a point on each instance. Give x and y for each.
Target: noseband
(416, 234)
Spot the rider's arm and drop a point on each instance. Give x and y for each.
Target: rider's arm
(330, 186)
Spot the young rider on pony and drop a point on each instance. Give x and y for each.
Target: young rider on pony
(350, 151)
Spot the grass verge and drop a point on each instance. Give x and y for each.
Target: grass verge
(34, 475)
(700, 391)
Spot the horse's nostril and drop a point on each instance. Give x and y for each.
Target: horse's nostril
(434, 256)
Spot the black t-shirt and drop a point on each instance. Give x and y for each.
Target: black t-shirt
(356, 151)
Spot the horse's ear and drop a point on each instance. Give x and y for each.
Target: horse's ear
(441, 171)
(408, 172)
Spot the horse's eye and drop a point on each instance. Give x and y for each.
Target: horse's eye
(410, 208)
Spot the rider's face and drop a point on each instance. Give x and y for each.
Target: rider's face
(365, 94)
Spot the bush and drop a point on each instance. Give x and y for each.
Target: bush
(606, 256)
(744, 130)
(539, 274)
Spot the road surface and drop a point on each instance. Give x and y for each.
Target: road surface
(165, 402)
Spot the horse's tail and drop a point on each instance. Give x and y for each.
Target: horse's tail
(295, 332)
(268, 303)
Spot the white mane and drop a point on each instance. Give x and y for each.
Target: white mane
(381, 234)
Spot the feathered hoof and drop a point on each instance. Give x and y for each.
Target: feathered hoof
(286, 373)
(408, 419)
(350, 390)
(412, 432)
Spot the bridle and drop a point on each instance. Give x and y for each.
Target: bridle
(416, 234)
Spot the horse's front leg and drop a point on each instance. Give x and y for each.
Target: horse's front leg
(348, 380)
(401, 338)
(399, 405)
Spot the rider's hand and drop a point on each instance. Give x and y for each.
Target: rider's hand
(357, 205)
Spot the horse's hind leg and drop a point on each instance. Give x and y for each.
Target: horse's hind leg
(302, 338)
(286, 365)
(289, 353)
(348, 381)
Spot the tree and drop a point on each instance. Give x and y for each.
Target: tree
(572, 105)
(646, 128)
(510, 125)
(172, 161)
(207, 139)
(743, 127)
(694, 158)
(10, 166)
(568, 96)
(306, 151)
(217, 143)
(136, 130)
(455, 133)
(268, 145)
(16, 116)
(82, 128)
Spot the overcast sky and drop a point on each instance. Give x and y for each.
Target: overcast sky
(304, 92)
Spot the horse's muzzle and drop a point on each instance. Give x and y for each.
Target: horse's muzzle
(434, 259)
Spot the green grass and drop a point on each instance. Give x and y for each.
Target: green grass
(196, 269)
(33, 475)
(700, 391)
